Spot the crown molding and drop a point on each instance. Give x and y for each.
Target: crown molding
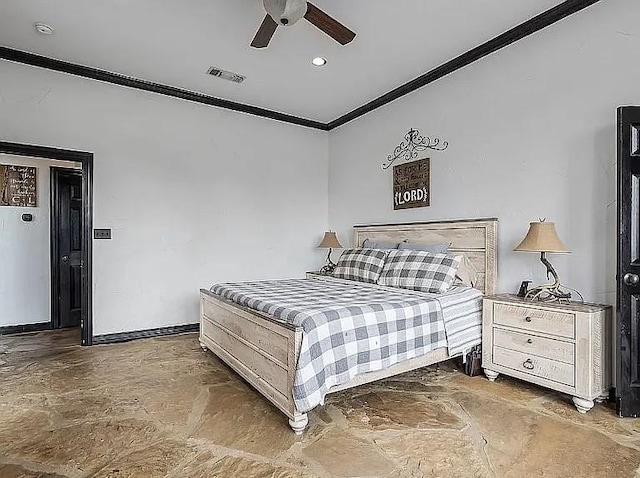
(531, 26)
(519, 32)
(48, 63)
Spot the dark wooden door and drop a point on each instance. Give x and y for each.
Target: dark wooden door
(67, 247)
(628, 273)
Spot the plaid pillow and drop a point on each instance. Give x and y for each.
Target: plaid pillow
(419, 270)
(364, 265)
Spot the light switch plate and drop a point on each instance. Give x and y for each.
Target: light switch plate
(102, 233)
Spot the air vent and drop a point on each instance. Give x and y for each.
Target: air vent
(226, 75)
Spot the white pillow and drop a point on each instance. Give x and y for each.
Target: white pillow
(467, 274)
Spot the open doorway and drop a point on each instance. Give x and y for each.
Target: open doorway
(70, 238)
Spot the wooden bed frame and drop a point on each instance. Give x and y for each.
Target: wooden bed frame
(265, 351)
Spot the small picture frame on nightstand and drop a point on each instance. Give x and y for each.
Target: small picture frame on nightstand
(524, 288)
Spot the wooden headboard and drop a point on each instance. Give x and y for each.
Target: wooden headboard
(476, 238)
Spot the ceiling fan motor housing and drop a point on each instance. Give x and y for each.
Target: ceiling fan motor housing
(286, 12)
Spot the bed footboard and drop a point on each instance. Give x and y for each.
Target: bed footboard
(263, 351)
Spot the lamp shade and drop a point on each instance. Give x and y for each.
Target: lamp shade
(330, 240)
(542, 237)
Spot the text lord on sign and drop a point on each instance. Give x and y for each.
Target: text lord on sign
(411, 184)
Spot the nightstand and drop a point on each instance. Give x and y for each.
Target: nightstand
(565, 347)
(316, 275)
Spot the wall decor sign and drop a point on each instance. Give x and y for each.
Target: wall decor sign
(413, 144)
(18, 186)
(411, 184)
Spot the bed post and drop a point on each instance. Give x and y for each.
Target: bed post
(299, 422)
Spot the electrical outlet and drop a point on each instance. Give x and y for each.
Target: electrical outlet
(102, 233)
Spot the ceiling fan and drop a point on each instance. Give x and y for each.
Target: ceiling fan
(288, 12)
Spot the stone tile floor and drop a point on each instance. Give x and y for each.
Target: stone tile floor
(163, 407)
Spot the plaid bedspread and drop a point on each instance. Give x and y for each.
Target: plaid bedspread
(353, 328)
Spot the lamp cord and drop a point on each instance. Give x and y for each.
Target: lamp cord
(574, 290)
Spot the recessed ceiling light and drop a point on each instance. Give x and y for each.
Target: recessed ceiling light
(43, 28)
(319, 61)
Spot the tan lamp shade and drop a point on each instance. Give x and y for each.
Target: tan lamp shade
(542, 237)
(330, 240)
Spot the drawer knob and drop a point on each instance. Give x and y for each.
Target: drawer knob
(528, 364)
(527, 319)
(529, 341)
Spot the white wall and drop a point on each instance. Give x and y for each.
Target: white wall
(25, 270)
(197, 195)
(531, 130)
(194, 194)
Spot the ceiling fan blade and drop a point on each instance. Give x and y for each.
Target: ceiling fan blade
(329, 25)
(265, 32)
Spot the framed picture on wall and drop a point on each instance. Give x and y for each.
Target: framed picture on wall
(411, 184)
(18, 186)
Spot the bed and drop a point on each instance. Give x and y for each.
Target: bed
(242, 323)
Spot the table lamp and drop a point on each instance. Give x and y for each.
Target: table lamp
(542, 238)
(329, 241)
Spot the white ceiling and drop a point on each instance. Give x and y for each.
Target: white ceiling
(175, 41)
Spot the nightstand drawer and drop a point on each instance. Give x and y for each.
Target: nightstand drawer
(532, 344)
(533, 365)
(535, 320)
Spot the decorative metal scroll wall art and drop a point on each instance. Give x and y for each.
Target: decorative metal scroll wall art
(411, 184)
(413, 144)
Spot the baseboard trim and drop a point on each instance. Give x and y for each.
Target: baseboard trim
(144, 334)
(21, 329)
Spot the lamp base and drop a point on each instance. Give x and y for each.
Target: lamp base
(329, 266)
(327, 269)
(548, 293)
